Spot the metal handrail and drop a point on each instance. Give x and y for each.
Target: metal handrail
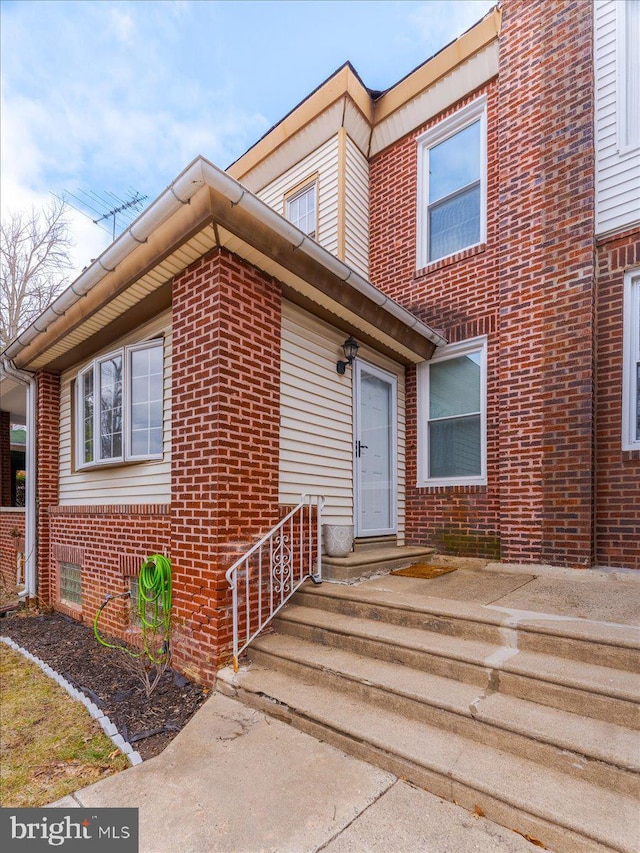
(290, 550)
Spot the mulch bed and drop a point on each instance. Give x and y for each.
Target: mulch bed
(71, 649)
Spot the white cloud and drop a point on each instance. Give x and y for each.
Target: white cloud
(106, 106)
(438, 22)
(122, 24)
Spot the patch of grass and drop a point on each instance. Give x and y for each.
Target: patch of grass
(49, 745)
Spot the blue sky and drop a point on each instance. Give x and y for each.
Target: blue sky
(107, 96)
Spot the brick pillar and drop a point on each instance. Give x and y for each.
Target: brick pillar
(546, 275)
(5, 459)
(48, 464)
(225, 444)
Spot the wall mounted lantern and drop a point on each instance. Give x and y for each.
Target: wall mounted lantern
(350, 348)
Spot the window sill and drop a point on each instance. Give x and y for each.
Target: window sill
(442, 263)
(72, 610)
(120, 463)
(477, 484)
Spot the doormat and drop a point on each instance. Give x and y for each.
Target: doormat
(423, 570)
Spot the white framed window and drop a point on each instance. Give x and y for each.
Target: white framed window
(300, 208)
(452, 416)
(119, 406)
(452, 184)
(628, 77)
(631, 363)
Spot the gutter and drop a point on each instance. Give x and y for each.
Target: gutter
(200, 172)
(30, 534)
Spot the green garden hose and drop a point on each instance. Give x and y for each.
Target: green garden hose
(154, 606)
(154, 588)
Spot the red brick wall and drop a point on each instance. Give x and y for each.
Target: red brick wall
(225, 444)
(458, 295)
(47, 450)
(11, 541)
(529, 288)
(225, 451)
(109, 543)
(546, 224)
(617, 470)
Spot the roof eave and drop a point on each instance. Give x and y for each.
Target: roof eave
(203, 194)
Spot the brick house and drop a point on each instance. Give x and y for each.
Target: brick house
(477, 232)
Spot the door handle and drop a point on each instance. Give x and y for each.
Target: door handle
(360, 447)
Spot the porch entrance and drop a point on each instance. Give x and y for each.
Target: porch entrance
(375, 449)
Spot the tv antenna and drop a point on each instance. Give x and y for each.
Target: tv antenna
(100, 208)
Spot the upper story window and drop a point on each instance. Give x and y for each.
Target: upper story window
(452, 180)
(631, 363)
(119, 406)
(452, 403)
(628, 61)
(301, 209)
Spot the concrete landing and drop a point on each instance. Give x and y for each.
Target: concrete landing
(600, 595)
(365, 562)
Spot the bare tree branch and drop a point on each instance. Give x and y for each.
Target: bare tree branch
(34, 265)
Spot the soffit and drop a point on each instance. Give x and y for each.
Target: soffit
(465, 78)
(221, 224)
(125, 303)
(337, 310)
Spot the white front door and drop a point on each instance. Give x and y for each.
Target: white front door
(375, 437)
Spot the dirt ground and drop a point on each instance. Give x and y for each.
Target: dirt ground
(72, 650)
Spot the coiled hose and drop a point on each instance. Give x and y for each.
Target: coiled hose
(154, 606)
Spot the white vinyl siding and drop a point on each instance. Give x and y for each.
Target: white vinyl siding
(323, 164)
(139, 483)
(617, 163)
(316, 416)
(356, 214)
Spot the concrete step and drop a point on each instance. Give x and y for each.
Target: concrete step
(371, 560)
(603, 644)
(372, 543)
(594, 691)
(591, 750)
(566, 814)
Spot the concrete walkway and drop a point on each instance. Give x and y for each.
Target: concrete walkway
(235, 781)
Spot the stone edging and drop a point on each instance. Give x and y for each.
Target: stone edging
(108, 727)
